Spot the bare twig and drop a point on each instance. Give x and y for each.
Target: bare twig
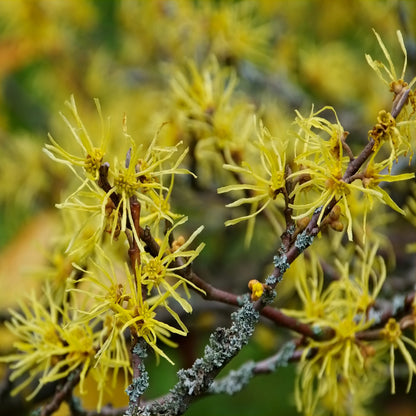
(62, 394)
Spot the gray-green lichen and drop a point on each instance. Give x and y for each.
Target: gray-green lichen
(273, 280)
(283, 356)
(281, 263)
(139, 384)
(303, 241)
(235, 381)
(375, 316)
(398, 303)
(268, 296)
(241, 300)
(317, 330)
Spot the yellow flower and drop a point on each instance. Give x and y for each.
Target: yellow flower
(394, 338)
(120, 305)
(51, 344)
(106, 190)
(310, 139)
(331, 368)
(159, 271)
(140, 176)
(322, 164)
(369, 274)
(263, 185)
(91, 156)
(234, 32)
(160, 208)
(371, 178)
(214, 121)
(85, 218)
(201, 93)
(387, 129)
(330, 391)
(117, 297)
(387, 73)
(309, 284)
(139, 315)
(335, 368)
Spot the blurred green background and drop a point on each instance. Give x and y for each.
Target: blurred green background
(287, 55)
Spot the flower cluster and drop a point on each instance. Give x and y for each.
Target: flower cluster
(331, 368)
(130, 299)
(212, 119)
(314, 169)
(51, 343)
(84, 323)
(387, 129)
(310, 176)
(107, 189)
(262, 185)
(394, 338)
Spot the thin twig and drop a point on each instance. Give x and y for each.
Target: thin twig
(62, 394)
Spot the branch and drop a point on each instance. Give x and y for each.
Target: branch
(140, 381)
(62, 394)
(105, 185)
(224, 344)
(275, 315)
(236, 380)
